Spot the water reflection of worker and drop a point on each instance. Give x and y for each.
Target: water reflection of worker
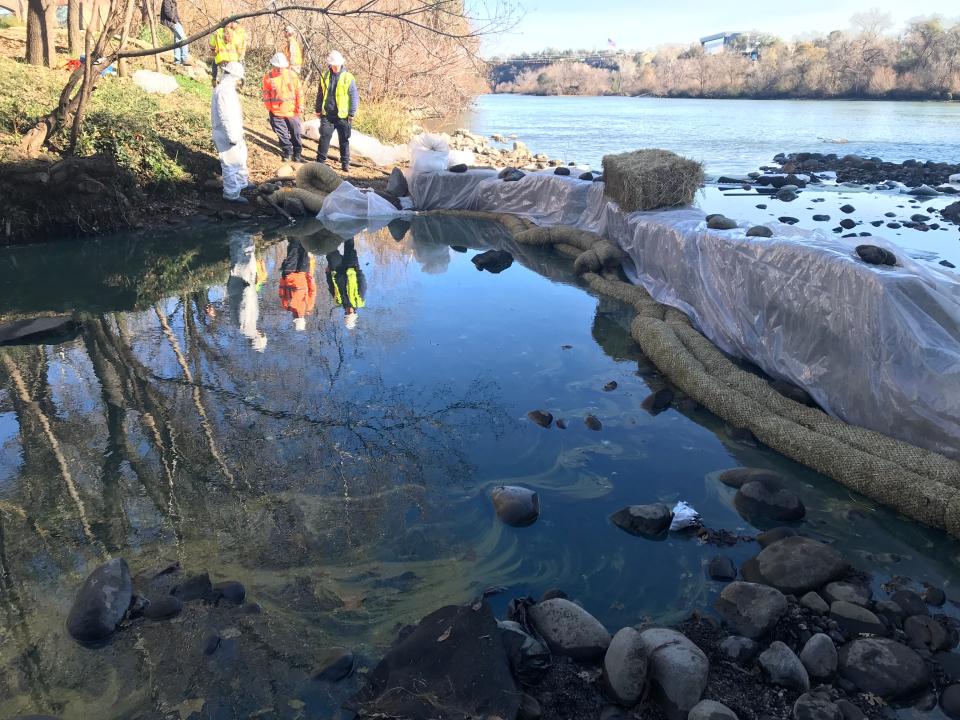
(346, 282)
(298, 290)
(247, 274)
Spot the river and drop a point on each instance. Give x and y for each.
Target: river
(729, 136)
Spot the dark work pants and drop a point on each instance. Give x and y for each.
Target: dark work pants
(288, 133)
(327, 126)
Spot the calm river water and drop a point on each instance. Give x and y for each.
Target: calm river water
(342, 474)
(727, 135)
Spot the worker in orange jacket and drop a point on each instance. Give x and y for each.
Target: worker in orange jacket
(282, 98)
(298, 289)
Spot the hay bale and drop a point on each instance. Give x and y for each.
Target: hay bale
(318, 177)
(651, 179)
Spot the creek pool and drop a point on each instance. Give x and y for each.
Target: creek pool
(341, 470)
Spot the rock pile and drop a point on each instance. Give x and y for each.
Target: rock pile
(517, 154)
(856, 169)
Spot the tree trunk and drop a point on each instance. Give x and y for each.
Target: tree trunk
(151, 8)
(40, 49)
(123, 65)
(73, 28)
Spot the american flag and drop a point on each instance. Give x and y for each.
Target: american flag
(611, 43)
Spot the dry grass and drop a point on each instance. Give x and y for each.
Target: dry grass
(651, 179)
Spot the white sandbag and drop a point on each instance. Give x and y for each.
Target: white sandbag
(461, 157)
(154, 82)
(429, 153)
(347, 202)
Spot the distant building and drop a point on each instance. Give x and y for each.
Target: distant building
(743, 43)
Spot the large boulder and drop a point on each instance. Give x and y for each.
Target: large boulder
(569, 629)
(625, 667)
(796, 565)
(647, 521)
(750, 609)
(768, 500)
(781, 666)
(456, 653)
(677, 669)
(101, 603)
(516, 506)
(819, 657)
(883, 667)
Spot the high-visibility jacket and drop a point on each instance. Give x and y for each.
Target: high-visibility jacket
(282, 92)
(347, 286)
(294, 53)
(346, 93)
(233, 49)
(298, 293)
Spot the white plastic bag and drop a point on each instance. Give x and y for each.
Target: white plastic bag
(348, 202)
(684, 516)
(429, 153)
(461, 157)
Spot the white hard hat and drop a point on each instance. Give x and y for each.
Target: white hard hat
(233, 68)
(299, 324)
(350, 320)
(335, 58)
(279, 61)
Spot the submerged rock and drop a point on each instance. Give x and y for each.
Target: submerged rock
(625, 667)
(570, 630)
(101, 603)
(334, 665)
(593, 423)
(648, 521)
(735, 477)
(658, 401)
(750, 609)
(516, 506)
(883, 667)
(767, 499)
(540, 417)
(721, 568)
(493, 261)
(676, 668)
(773, 535)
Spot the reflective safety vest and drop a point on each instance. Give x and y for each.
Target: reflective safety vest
(298, 293)
(343, 91)
(294, 53)
(232, 50)
(353, 288)
(281, 92)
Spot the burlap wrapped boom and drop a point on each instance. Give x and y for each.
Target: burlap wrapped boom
(651, 179)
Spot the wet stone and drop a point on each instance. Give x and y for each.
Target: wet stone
(720, 222)
(814, 707)
(163, 608)
(458, 168)
(721, 568)
(766, 499)
(750, 609)
(762, 231)
(812, 601)
(910, 603)
(195, 587)
(850, 711)
(516, 506)
(540, 417)
(787, 220)
(739, 649)
(923, 632)
(821, 218)
(231, 591)
(711, 710)
(561, 424)
(493, 261)
(610, 386)
(593, 423)
(773, 535)
(856, 594)
(625, 667)
(648, 521)
(874, 255)
(855, 619)
(658, 401)
(819, 657)
(101, 603)
(797, 565)
(736, 477)
(334, 664)
(847, 208)
(561, 171)
(847, 224)
(883, 667)
(570, 630)
(934, 596)
(782, 667)
(677, 669)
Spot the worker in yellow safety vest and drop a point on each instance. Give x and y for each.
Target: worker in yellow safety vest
(291, 48)
(229, 44)
(346, 282)
(337, 103)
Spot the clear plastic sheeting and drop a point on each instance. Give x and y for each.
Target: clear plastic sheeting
(348, 202)
(878, 347)
(363, 145)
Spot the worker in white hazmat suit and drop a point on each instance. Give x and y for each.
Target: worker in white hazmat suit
(242, 289)
(226, 117)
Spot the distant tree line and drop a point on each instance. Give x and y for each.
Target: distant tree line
(922, 62)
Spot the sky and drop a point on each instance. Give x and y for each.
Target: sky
(642, 24)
